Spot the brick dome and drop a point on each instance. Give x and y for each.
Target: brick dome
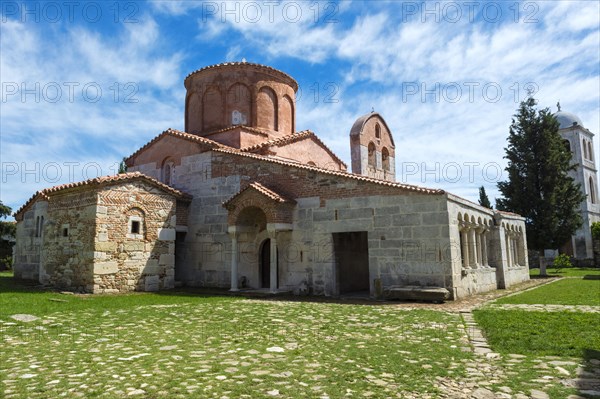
(240, 93)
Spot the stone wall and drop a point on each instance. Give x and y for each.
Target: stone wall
(69, 240)
(28, 247)
(127, 261)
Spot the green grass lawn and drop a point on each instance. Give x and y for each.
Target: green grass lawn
(569, 291)
(567, 272)
(182, 345)
(541, 333)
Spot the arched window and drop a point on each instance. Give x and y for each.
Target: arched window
(377, 131)
(585, 153)
(168, 171)
(592, 190)
(371, 154)
(567, 145)
(590, 152)
(385, 159)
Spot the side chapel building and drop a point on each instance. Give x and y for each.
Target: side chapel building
(242, 200)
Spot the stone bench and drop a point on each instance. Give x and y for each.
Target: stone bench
(419, 293)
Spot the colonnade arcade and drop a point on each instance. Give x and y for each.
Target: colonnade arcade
(474, 241)
(514, 244)
(476, 235)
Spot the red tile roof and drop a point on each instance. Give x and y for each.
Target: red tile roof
(292, 138)
(266, 68)
(102, 181)
(408, 187)
(175, 133)
(263, 190)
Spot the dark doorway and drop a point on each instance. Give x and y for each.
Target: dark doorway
(351, 261)
(265, 264)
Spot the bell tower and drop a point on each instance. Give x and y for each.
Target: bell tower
(372, 148)
(580, 141)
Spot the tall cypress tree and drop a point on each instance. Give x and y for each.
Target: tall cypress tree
(539, 187)
(483, 198)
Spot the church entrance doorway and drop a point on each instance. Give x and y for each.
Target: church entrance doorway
(351, 262)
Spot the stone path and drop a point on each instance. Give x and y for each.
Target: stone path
(491, 368)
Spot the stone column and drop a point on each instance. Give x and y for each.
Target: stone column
(472, 249)
(478, 251)
(273, 283)
(464, 248)
(484, 254)
(234, 258)
(509, 252)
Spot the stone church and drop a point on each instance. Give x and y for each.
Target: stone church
(242, 200)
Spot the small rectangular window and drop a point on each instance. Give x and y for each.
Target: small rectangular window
(65, 232)
(135, 227)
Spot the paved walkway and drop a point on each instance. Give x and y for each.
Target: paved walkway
(493, 368)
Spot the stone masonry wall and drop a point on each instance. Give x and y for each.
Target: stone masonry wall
(124, 261)
(69, 240)
(28, 248)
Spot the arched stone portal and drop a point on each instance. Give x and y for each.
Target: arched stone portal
(256, 217)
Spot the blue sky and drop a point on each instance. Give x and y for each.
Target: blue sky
(87, 83)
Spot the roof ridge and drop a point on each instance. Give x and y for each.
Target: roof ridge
(97, 181)
(353, 176)
(228, 128)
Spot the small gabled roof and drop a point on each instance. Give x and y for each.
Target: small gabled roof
(179, 134)
(272, 195)
(292, 138)
(97, 182)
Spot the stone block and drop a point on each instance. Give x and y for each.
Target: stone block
(322, 215)
(102, 237)
(151, 267)
(106, 267)
(435, 294)
(435, 218)
(387, 210)
(166, 234)
(407, 219)
(106, 246)
(134, 246)
(361, 213)
(101, 210)
(151, 283)
(167, 260)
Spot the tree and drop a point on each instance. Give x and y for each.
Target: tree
(122, 166)
(6, 228)
(539, 186)
(483, 198)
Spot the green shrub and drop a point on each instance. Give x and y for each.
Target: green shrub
(562, 261)
(6, 263)
(596, 230)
